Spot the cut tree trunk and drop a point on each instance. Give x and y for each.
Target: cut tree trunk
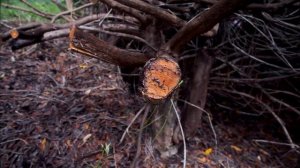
(164, 118)
(160, 78)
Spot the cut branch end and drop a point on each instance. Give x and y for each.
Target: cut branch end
(161, 77)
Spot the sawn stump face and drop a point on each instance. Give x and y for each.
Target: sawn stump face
(161, 77)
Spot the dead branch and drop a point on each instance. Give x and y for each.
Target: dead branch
(123, 28)
(91, 46)
(202, 23)
(20, 43)
(154, 11)
(125, 34)
(69, 11)
(139, 141)
(5, 36)
(270, 110)
(36, 31)
(133, 12)
(35, 9)
(33, 33)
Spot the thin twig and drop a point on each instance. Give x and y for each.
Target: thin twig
(182, 134)
(208, 115)
(139, 142)
(132, 121)
(274, 142)
(69, 11)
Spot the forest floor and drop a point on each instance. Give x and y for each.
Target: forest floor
(59, 109)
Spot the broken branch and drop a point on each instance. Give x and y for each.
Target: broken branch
(91, 46)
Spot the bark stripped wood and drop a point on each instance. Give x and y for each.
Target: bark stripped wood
(91, 46)
(202, 23)
(160, 78)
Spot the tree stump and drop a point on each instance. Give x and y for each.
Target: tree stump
(160, 78)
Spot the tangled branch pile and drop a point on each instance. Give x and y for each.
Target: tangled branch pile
(256, 51)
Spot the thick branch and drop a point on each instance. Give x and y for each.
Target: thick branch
(37, 30)
(5, 36)
(133, 12)
(154, 11)
(91, 46)
(202, 23)
(20, 43)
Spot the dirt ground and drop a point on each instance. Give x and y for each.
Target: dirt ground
(59, 109)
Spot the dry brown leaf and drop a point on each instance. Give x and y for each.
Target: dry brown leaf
(69, 144)
(43, 144)
(86, 126)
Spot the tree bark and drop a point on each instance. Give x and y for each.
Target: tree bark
(198, 92)
(202, 23)
(89, 45)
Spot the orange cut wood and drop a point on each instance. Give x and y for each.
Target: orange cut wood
(14, 33)
(161, 77)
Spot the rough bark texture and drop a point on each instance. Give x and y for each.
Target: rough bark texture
(164, 116)
(198, 92)
(202, 23)
(163, 128)
(91, 46)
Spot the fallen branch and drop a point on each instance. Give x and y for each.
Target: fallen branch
(20, 43)
(5, 36)
(33, 33)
